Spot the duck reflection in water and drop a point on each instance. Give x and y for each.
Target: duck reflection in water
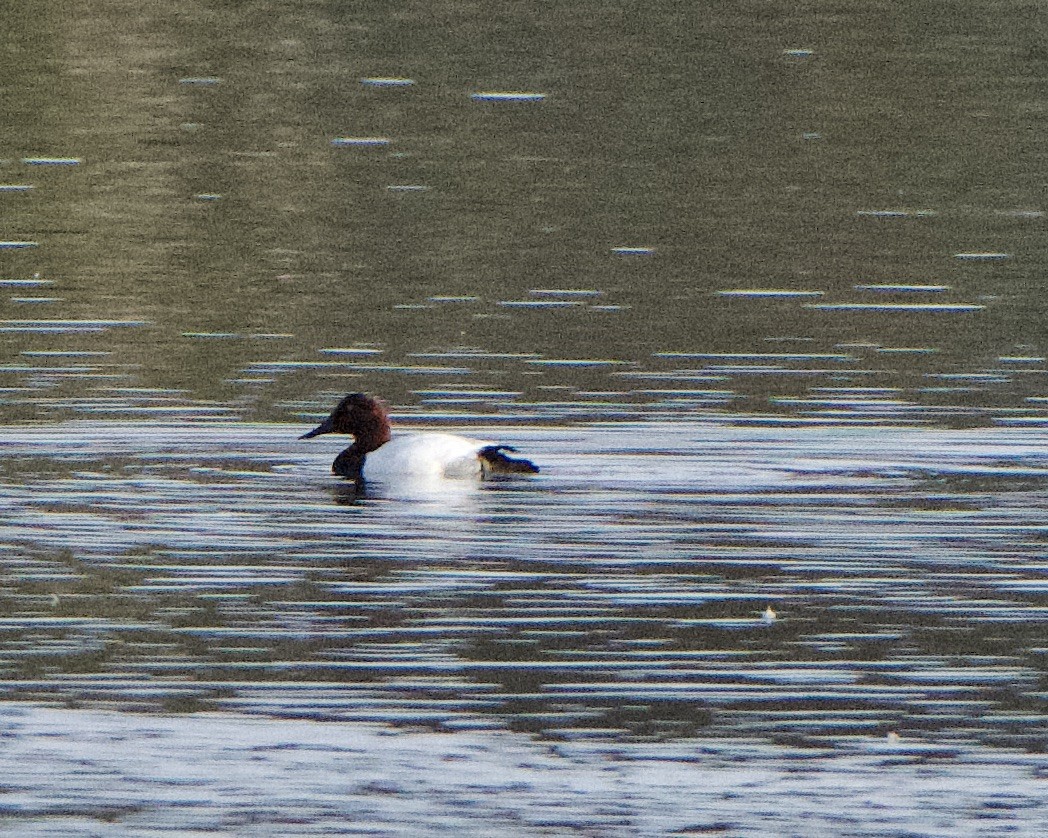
(376, 455)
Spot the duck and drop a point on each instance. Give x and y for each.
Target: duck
(377, 455)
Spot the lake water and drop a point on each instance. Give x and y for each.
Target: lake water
(614, 608)
(759, 288)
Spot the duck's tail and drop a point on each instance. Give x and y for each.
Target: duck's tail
(495, 462)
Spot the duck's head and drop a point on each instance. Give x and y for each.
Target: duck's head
(359, 415)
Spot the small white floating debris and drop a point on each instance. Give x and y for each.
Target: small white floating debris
(16, 245)
(51, 161)
(506, 96)
(360, 142)
(386, 81)
(15, 187)
(407, 187)
(892, 738)
(982, 257)
(769, 616)
(811, 135)
(903, 288)
(201, 81)
(799, 52)
(931, 307)
(766, 292)
(54, 600)
(633, 251)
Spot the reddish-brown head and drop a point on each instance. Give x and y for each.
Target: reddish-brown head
(360, 416)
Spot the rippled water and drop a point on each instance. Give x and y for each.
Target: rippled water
(714, 601)
(759, 286)
(79, 772)
(767, 211)
(622, 592)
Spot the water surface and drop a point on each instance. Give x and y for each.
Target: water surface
(760, 288)
(621, 592)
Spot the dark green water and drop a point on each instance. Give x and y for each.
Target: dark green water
(848, 157)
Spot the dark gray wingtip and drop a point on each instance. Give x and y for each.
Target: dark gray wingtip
(498, 463)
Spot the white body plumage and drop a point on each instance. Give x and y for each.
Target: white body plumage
(425, 455)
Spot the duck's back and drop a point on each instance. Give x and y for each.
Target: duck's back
(424, 455)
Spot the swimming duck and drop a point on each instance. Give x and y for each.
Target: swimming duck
(376, 455)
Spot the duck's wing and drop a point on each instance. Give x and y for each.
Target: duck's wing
(494, 461)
